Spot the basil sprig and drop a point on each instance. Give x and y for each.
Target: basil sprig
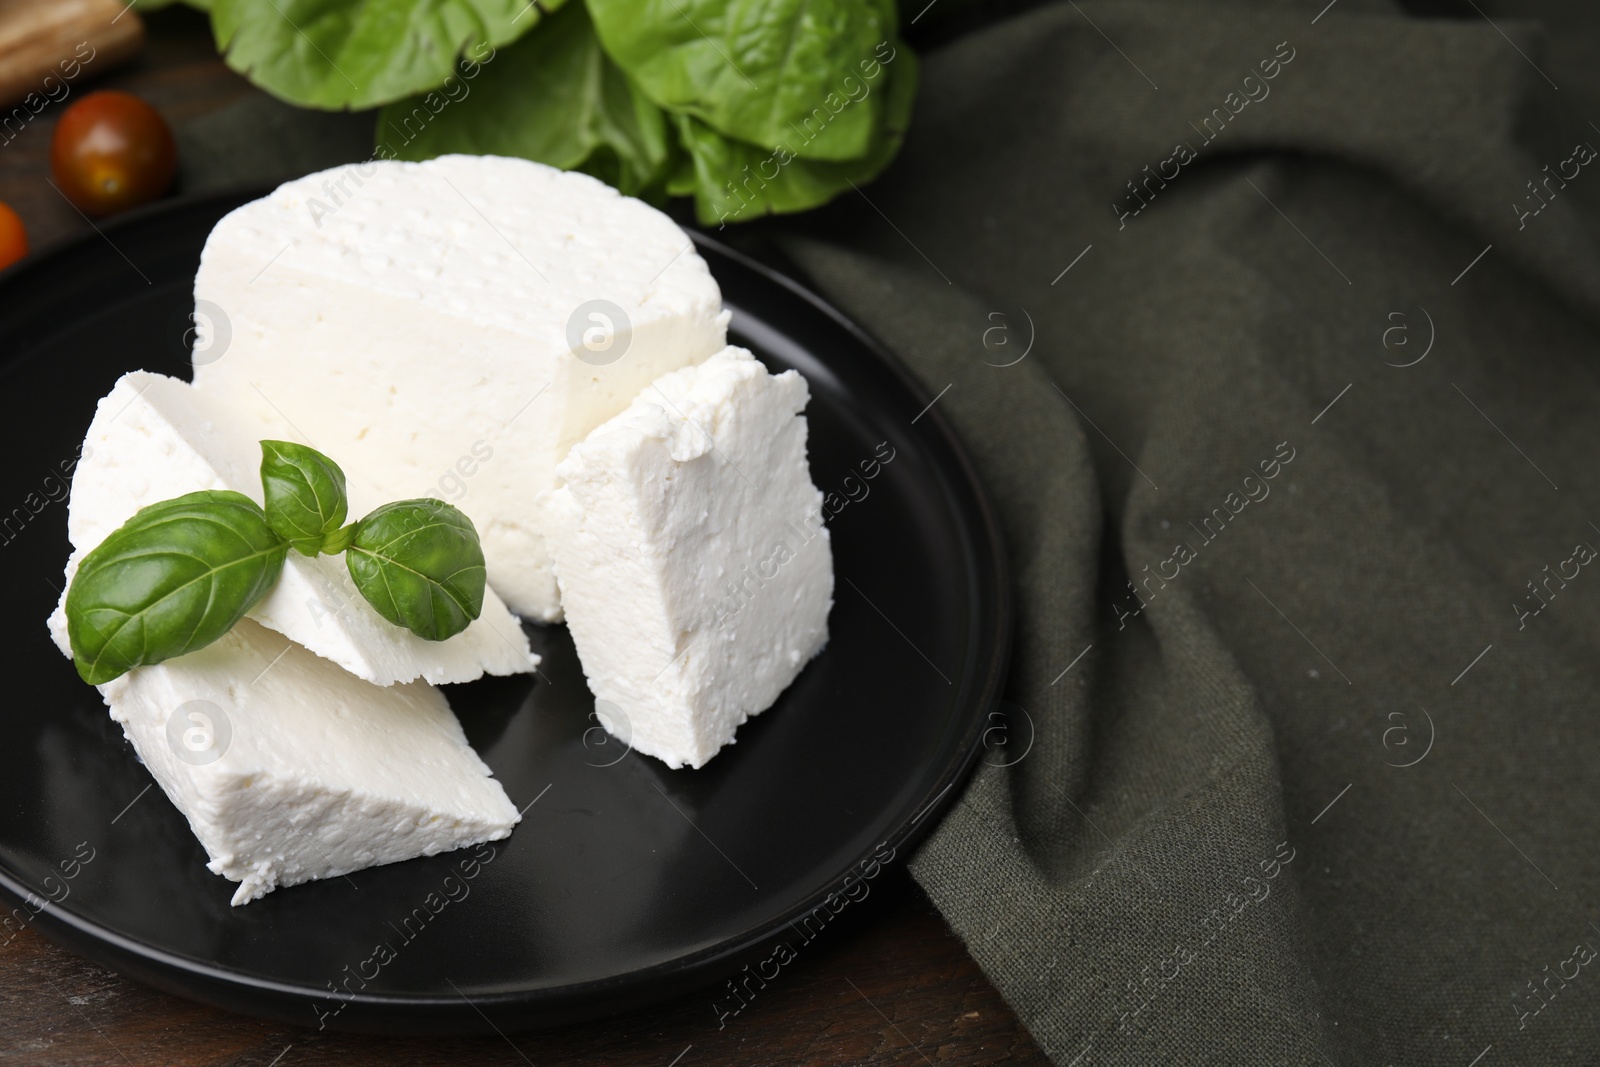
(181, 573)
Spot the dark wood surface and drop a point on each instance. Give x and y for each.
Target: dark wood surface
(178, 73)
(889, 984)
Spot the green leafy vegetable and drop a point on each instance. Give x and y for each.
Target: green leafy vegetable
(180, 574)
(753, 107)
(361, 53)
(758, 71)
(418, 562)
(174, 578)
(733, 181)
(304, 492)
(554, 97)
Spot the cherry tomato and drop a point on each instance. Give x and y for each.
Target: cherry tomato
(13, 238)
(111, 152)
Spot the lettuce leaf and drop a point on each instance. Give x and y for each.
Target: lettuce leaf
(554, 96)
(735, 181)
(334, 54)
(765, 72)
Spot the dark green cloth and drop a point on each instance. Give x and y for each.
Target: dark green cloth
(1213, 851)
(1114, 882)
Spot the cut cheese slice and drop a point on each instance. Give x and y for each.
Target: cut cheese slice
(154, 438)
(453, 327)
(290, 769)
(695, 569)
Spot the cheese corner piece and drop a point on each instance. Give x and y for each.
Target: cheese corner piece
(453, 327)
(695, 569)
(154, 438)
(291, 769)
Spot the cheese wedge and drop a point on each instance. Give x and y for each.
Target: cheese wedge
(290, 769)
(453, 327)
(695, 569)
(154, 438)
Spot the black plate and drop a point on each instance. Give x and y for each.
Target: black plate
(626, 882)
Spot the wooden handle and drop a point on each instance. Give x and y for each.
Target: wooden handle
(46, 45)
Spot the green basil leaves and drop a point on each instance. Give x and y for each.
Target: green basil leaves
(419, 564)
(180, 574)
(304, 492)
(174, 578)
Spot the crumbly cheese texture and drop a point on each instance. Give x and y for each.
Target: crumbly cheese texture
(319, 773)
(417, 321)
(694, 565)
(154, 438)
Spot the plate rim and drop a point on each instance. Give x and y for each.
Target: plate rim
(161, 967)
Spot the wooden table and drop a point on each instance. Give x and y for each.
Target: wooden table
(890, 984)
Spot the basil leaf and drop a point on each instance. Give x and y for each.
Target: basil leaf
(733, 181)
(756, 70)
(305, 494)
(174, 578)
(361, 53)
(554, 97)
(418, 562)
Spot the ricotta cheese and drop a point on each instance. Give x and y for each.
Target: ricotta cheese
(154, 438)
(453, 326)
(695, 569)
(290, 769)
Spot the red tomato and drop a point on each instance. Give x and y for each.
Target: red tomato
(13, 238)
(111, 152)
